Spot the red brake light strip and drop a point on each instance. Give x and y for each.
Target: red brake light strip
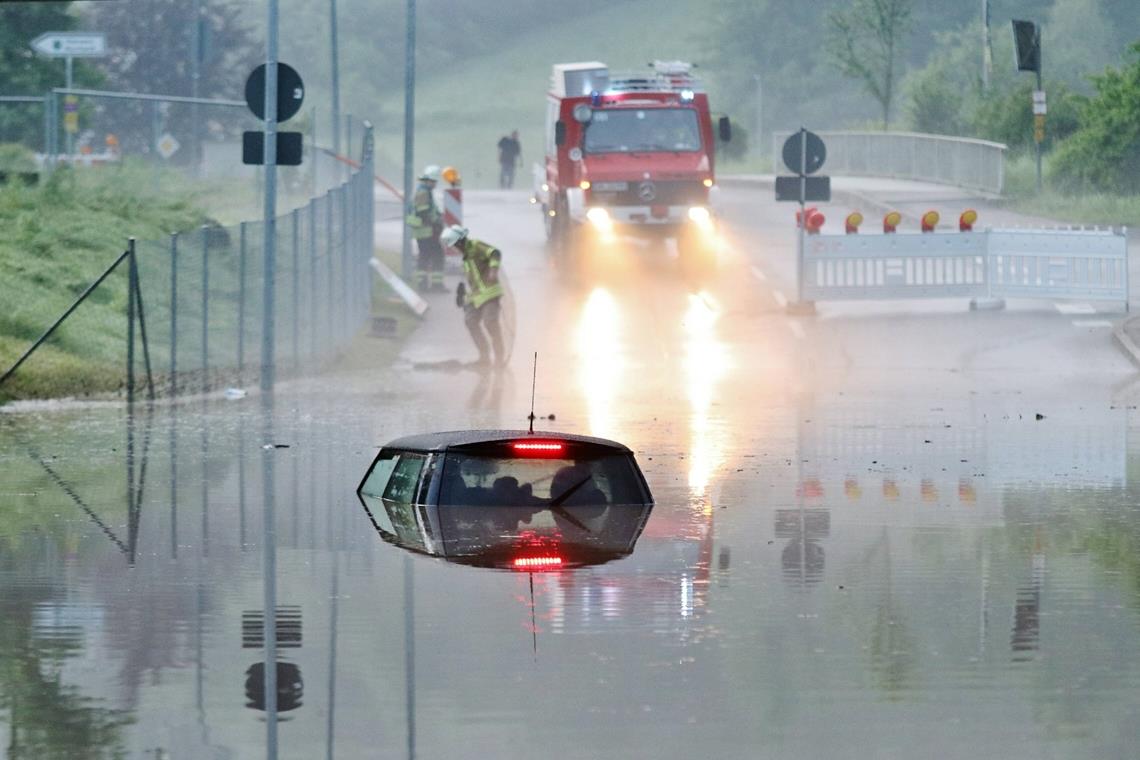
(537, 446)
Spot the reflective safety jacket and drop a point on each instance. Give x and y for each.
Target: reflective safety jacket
(479, 259)
(424, 218)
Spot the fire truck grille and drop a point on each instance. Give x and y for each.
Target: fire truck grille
(648, 193)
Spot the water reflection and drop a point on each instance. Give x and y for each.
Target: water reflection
(602, 363)
(706, 361)
(511, 537)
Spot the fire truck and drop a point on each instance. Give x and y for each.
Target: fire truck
(629, 156)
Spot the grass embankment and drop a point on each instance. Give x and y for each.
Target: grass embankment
(1075, 208)
(58, 237)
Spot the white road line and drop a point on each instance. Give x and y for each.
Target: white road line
(1091, 323)
(758, 273)
(797, 329)
(780, 298)
(1075, 308)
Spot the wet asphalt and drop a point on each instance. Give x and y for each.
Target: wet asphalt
(902, 530)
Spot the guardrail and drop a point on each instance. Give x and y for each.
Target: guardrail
(959, 161)
(994, 264)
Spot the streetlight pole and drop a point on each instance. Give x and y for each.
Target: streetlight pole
(409, 129)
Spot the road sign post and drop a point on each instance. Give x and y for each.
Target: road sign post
(69, 46)
(804, 154)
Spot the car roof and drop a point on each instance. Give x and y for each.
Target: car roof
(446, 440)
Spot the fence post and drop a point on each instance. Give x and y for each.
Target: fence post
(205, 310)
(47, 132)
(329, 253)
(296, 287)
(174, 314)
(369, 215)
(132, 283)
(241, 298)
(137, 296)
(313, 277)
(344, 271)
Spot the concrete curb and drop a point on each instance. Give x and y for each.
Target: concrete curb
(1120, 334)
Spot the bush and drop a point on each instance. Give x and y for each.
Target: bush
(1008, 117)
(16, 158)
(1104, 154)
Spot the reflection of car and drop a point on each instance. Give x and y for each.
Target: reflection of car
(503, 498)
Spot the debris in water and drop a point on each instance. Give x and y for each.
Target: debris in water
(233, 394)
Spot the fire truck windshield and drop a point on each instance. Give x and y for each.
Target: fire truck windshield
(625, 130)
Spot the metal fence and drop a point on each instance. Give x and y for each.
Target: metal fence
(1062, 263)
(200, 297)
(959, 161)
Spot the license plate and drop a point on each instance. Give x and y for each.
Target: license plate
(610, 187)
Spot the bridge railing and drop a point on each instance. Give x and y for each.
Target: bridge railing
(959, 161)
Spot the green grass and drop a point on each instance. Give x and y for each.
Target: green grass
(461, 115)
(1075, 208)
(59, 236)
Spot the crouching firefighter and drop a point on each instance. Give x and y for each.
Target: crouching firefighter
(425, 222)
(480, 296)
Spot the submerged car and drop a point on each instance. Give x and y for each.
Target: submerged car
(508, 498)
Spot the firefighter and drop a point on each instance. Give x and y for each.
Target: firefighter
(426, 222)
(481, 295)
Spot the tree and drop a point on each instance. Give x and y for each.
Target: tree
(23, 72)
(866, 43)
(151, 47)
(1104, 154)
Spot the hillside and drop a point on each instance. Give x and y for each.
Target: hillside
(461, 115)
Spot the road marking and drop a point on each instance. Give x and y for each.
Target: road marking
(1075, 308)
(1091, 323)
(758, 273)
(797, 329)
(781, 299)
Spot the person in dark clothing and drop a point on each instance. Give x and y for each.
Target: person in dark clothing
(510, 156)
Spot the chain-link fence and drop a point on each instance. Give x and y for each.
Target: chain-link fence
(201, 295)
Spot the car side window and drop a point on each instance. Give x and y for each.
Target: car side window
(381, 472)
(405, 478)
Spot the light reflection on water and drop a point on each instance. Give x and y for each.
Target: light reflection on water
(880, 593)
(602, 362)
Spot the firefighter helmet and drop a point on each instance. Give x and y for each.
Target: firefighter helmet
(453, 234)
(431, 173)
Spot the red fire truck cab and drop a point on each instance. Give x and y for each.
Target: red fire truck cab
(629, 155)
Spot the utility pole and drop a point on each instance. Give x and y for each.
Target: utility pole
(335, 51)
(987, 48)
(409, 130)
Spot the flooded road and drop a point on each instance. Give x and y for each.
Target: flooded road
(874, 536)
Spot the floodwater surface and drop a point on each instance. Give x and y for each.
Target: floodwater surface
(931, 561)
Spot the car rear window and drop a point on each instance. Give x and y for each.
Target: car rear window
(473, 479)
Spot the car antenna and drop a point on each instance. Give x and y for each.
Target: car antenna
(533, 378)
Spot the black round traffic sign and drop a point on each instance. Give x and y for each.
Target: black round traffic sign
(794, 152)
(290, 92)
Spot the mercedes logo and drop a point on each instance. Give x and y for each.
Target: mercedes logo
(646, 191)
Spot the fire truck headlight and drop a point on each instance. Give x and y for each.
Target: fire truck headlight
(700, 216)
(686, 96)
(600, 218)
